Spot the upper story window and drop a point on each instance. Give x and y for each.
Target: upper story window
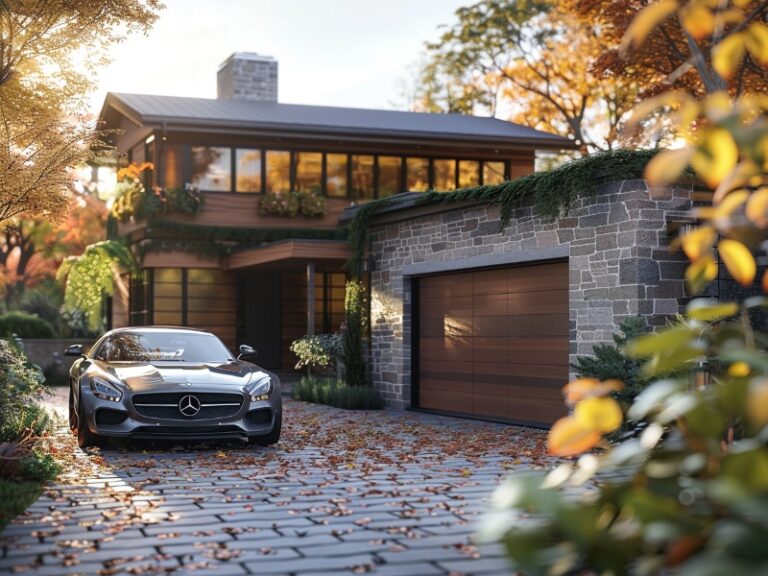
(212, 168)
(172, 175)
(417, 170)
(248, 170)
(336, 175)
(278, 171)
(389, 175)
(469, 173)
(309, 172)
(493, 172)
(444, 175)
(362, 178)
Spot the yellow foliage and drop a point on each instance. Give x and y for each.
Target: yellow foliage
(599, 414)
(738, 260)
(715, 156)
(646, 21)
(756, 39)
(582, 388)
(757, 402)
(666, 167)
(757, 207)
(728, 54)
(700, 273)
(739, 370)
(699, 241)
(698, 20)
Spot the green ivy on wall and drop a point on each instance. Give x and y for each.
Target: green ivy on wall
(291, 204)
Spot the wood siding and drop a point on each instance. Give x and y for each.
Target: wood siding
(494, 343)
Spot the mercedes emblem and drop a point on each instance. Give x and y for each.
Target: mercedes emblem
(189, 405)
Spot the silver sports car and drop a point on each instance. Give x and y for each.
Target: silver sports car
(174, 383)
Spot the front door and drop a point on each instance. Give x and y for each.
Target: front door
(259, 316)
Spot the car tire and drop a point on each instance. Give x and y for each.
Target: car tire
(269, 439)
(85, 438)
(72, 413)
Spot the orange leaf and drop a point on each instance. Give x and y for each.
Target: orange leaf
(738, 260)
(569, 438)
(765, 281)
(698, 20)
(581, 388)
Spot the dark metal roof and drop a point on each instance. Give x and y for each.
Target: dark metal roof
(209, 113)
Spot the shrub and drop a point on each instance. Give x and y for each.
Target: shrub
(32, 417)
(336, 393)
(318, 351)
(21, 383)
(356, 310)
(308, 204)
(24, 325)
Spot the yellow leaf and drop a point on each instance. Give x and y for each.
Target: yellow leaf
(567, 438)
(666, 167)
(738, 260)
(698, 241)
(644, 23)
(757, 42)
(581, 388)
(715, 156)
(728, 54)
(739, 370)
(599, 414)
(757, 208)
(757, 402)
(648, 107)
(698, 20)
(731, 202)
(700, 273)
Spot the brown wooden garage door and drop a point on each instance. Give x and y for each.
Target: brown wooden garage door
(494, 343)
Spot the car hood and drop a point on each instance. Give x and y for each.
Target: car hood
(164, 376)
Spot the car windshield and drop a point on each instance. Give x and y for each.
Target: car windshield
(163, 346)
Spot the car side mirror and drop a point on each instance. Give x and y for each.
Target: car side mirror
(74, 350)
(246, 351)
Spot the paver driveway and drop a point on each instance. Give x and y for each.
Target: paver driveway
(343, 492)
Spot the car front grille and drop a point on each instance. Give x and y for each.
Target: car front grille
(165, 405)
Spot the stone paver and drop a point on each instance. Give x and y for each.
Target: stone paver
(343, 492)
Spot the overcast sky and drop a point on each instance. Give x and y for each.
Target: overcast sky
(330, 52)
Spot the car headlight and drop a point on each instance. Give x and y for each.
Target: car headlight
(104, 390)
(261, 390)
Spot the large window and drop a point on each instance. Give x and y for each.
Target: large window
(248, 170)
(493, 172)
(278, 171)
(309, 171)
(362, 178)
(212, 168)
(389, 175)
(336, 175)
(167, 297)
(469, 173)
(417, 170)
(445, 175)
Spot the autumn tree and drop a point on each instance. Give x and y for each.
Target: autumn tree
(533, 58)
(49, 51)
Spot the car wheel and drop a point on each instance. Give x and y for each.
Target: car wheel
(85, 438)
(72, 413)
(273, 437)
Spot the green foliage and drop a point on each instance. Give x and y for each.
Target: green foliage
(611, 362)
(217, 241)
(309, 204)
(21, 382)
(25, 417)
(336, 393)
(552, 192)
(24, 325)
(133, 202)
(688, 496)
(90, 276)
(45, 300)
(39, 466)
(15, 497)
(355, 320)
(318, 351)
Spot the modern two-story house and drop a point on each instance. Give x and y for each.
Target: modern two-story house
(255, 276)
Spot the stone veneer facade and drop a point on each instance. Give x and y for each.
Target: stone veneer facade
(616, 243)
(247, 76)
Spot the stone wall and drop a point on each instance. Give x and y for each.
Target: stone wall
(246, 76)
(616, 243)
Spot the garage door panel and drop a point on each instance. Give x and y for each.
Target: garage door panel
(460, 306)
(489, 282)
(541, 302)
(538, 325)
(494, 343)
(450, 286)
(544, 277)
(448, 401)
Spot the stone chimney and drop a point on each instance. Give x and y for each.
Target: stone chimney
(247, 76)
